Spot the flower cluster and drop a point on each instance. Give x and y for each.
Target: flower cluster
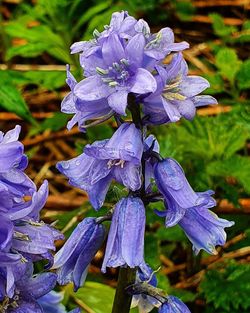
(24, 238)
(126, 58)
(125, 72)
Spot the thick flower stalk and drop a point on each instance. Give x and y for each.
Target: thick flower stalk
(127, 77)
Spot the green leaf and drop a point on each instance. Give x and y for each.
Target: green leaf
(228, 287)
(243, 76)
(228, 63)
(98, 297)
(216, 84)
(219, 27)
(11, 100)
(27, 50)
(237, 167)
(50, 80)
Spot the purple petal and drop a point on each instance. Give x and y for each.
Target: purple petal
(204, 100)
(91, 88)
(193, 85)
(118, 101)
(135, 50)
(144, 82)
(112, 50)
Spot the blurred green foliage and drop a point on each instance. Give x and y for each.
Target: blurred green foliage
(213, 150)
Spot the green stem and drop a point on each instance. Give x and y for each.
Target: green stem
(122, 301)
(127, 275)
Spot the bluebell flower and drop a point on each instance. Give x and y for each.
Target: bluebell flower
(73, 259)
(173, 305)
(125, 245)
(177, 94)
(82, 110)
(119, 71)
(28, 289)
(189, 208)
(204, 228)
(178, 194)
(23, 237)
(118, 158)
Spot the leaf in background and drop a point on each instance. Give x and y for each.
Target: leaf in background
(228, 63)
(228, 287)
(219, 27)
(243, 76)
(216, 84)
(50, 80)
(236, 166)
(36, 43)
(185, 10)
(98, 297)
(11, 100)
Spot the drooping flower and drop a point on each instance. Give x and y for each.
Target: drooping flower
(177, 94)
(73, 259)
(204, 228)
(173, 305)
(189, 208)
(118, 158)
(125, 245)
(178, 194)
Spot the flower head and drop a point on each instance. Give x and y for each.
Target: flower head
(177, 94)
(125, 245)
(117, 158)
(73, 259)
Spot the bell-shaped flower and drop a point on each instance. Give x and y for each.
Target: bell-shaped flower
(83, 110)
(177, 94)
(176, 190)
(204, 228)
(118, 158)
(125, 245)
(73, 259)
(189, 208)
(173, 305)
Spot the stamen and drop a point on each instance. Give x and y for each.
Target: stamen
(20, 236)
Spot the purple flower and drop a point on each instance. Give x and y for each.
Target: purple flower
(73, 259)
(178, 194)
(118, 71)
(83, 110)
(204, 228)
(118, 158)
(188, 208)
(177, 93)
(12, 164)
(173, 305)
(28, 289)
(125, 245)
